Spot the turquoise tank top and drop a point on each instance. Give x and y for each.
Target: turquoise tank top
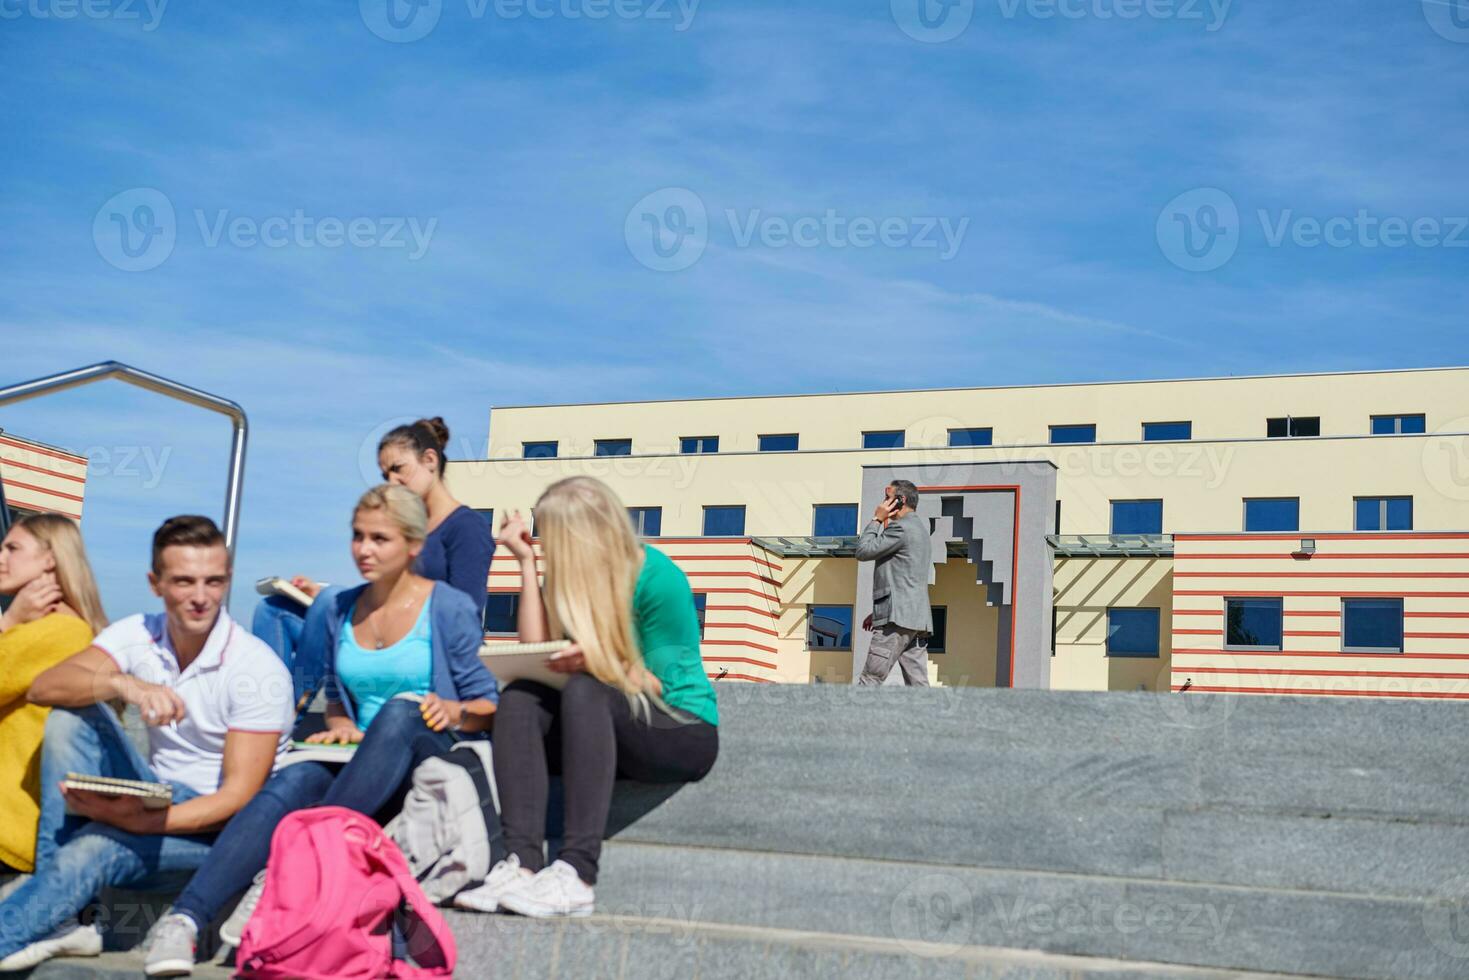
(375, 677)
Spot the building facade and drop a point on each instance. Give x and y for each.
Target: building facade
(40, 478)
(1301, 533)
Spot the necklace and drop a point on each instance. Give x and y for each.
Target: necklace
(377, 637)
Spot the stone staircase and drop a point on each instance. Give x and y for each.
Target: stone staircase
(970, 833)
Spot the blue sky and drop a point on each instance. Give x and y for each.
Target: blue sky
(1076, 153)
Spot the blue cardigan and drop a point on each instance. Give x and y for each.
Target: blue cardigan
(458, 672)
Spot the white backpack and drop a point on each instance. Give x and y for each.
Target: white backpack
(449, 828)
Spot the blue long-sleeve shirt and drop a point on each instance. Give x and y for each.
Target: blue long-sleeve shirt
(458, 552)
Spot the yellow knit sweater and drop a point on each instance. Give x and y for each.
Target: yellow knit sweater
(26, 651)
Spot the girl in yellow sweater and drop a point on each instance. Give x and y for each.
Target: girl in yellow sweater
(55, 611)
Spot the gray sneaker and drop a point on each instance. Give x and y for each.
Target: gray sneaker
(234, 926)
(171, 951)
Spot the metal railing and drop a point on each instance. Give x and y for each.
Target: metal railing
(163, 386)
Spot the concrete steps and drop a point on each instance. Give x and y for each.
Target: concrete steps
(984, 833)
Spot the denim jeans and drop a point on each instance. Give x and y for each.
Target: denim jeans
(377, 777)
(75, 857)
(298, 636)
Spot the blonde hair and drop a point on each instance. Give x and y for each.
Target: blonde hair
(403, 507)
(592, 564)
(61, 536)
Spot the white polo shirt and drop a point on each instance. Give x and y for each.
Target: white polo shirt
(237, 683)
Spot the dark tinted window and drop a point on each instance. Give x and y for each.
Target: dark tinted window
(1132, 632)
(835, 520)
(971, 437)
(1167, 431)
(1253, 623)
(1137, 517)
(724, 522)
(829, 628)
(1273, 514)
(779, 443)
(1372, 624)
(1073, 433)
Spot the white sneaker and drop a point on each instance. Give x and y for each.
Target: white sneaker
(171, 947)
(558, 890)
(486, 898)
(67, 939)
(234, 927)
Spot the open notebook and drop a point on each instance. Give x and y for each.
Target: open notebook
(275, 585)
(156, 796)
(524, 662)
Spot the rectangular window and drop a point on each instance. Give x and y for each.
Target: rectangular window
(1253, 624)
(698, 444)
(1399, 425)
(488, 513)
(1293, 425)
(787, 443)
(1384, 513)
(939, 639)
(1132, 632)
(724, 522)
(1372, 625)
(1167, 431)
(971, 437)
(828, 627)
(835, 520)
(646, 521)
(1137, 517)
(892, 439)
(1273, 514)
(1061, 434)
(501, 609)
(613, 447)
(538, 450)
(701, 603)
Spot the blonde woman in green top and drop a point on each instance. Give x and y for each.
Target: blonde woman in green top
(637, 701)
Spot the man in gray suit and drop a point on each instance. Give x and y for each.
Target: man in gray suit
(898, 540)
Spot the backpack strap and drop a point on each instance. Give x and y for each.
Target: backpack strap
(468, 759)
(424, 910)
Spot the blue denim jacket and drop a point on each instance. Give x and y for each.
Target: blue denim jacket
(458, 672)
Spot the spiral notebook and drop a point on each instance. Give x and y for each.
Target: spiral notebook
(156, 796)
(524, 662)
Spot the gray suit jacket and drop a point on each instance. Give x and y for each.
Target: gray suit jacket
(900, 579)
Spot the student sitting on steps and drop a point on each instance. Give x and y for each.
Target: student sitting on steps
(54, 613)
(636, 702)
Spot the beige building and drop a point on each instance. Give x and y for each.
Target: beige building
(1302, 533)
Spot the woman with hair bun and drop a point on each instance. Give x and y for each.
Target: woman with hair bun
(456, 552)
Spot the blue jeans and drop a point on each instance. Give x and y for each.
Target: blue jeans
(298, 636)
(75, 857)
(378, 775)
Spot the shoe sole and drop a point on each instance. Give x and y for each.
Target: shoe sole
(170, 968)
(476, 906)
(534, 910)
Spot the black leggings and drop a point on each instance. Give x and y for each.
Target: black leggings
(588, 734)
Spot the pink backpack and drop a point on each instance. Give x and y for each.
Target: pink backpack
(331, 887)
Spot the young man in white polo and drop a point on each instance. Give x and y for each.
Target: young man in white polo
(218, 706)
